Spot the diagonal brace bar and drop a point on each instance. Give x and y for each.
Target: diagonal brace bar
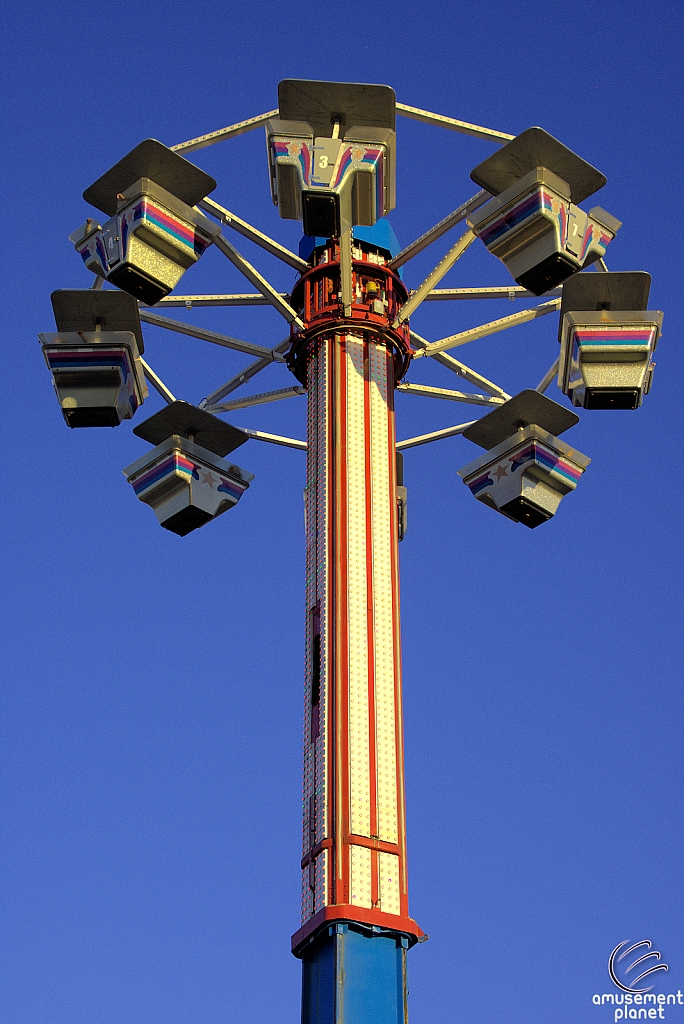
(454, 396)
(287, 442)
(416, 114)
(439, 229)
(156, 382)
(493, 327)
(253, 234)
(515, 292)
(436, 435)
(224, 133)
(471, 375)
(548, 377)
(249, 400)
(241, 378)
(442, 268)
(259, 282)
(216, 339)
(246, 299)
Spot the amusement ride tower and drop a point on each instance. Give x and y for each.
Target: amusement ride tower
(355, 918)
(331, 149)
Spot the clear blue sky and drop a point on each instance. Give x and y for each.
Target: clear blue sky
(153, 695)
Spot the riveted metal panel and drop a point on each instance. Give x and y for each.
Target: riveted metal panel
(360, 869)
(383, 538)
(388, 871)
(359, 760)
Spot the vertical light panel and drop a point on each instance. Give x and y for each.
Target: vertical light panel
(353, 816)
(323, 573)
(384, 537)
(361, 883)
(388, 866)
(358, 593)
(315, 879)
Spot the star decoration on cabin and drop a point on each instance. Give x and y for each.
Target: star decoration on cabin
(208, 478)
(500, 471)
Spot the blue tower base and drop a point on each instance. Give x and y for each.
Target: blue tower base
(355, 974)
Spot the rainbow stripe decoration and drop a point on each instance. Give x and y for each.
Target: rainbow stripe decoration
(355, 153)
(594, 237)
(621, 337)
(563, 223)
(95, 250)
(232, 488)
(147, 213)
(299, 151)
(175, 464)
(537, 202)
(553, 465)
(89, 358)
(479, 485)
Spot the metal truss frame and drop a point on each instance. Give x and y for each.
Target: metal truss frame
(427, 291)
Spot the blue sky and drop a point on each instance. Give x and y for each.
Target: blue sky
(152, 705)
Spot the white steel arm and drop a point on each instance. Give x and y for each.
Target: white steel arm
(241, 378)
(253, 234)
(249, 400)
(442, 268)
(416, 114)
(493, 327)
(246, 299)
(548, 377)
(439, 229)
(259, 282)
(483, 293)
(216, 339)
(454, 396)
(286, 442)
(224, 133)
(156, 382)
(436, 435)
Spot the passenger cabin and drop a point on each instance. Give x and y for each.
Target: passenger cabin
(153, 233)
(94, 357)
(185, 479)
(526, 470)
(607, 337)
(533, 224)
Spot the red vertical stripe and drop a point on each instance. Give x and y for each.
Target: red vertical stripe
(341, 617)
(370, 617)
(399, 725)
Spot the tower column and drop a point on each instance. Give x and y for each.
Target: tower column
(355, 928)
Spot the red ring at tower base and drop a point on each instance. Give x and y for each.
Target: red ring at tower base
(359, 915)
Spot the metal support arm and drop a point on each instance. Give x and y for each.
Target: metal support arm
(442, 268)
(498, 292)
(286, 442)
(156, 382)
(548, 377)
(224, 133)
(454, 396)
(216, 339)
(436, 435)
(241, 378)
(439, 229)
(493, 327)
(416, 114)
(249, 400)
(245, 299)
(471, 376)
(259, 282)
(253, 234)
